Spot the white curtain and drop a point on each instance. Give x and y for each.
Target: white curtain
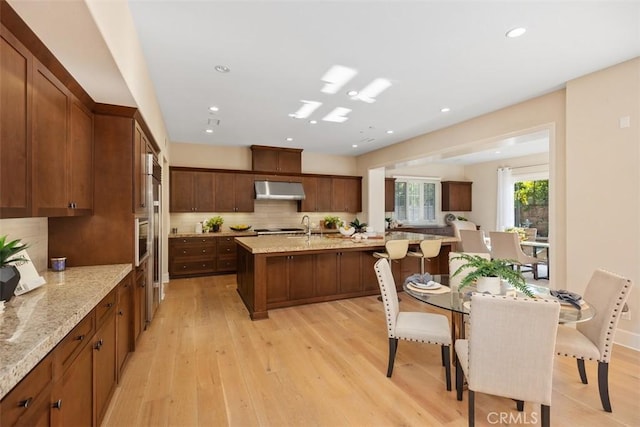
(505, 215)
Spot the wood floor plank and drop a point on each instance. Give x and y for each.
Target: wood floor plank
(203, 362)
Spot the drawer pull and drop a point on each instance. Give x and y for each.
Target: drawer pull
(58, 404)
(25, 403)
(121, 313)
(80, 337)
(109, 305)
(204, 251)
(98, 345)
(184, 252)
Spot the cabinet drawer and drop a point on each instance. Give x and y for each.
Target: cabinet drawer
(105, 306)
(228, 241)
(71, 344)
(227, 264)
(193, 267)
(20, 401)
(192, 241)
(193, 251)
(227, 250)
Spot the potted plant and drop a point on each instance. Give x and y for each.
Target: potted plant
(487, 274)
(332, 221)
(214, 223)
(9, 274)
(359, 226)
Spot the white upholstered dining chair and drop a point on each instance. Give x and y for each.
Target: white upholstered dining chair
(473, 241)
(500, 359)
(462, 225)
(506, 245)
(593, 340)
(428, 249)
(409, 325)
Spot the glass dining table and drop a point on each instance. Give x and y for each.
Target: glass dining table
(459, 304)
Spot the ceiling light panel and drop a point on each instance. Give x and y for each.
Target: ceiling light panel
(375, 88)
(338, 115)
(336, 78)
(515, 32)
(308, 107)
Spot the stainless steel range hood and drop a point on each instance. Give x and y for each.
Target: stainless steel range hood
(275, 190)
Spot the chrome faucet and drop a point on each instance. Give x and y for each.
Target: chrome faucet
(307, 224)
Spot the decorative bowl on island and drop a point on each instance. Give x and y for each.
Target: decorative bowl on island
(346, 231)
(240, 227)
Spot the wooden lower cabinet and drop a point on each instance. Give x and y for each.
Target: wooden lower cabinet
(73, 384)
(124, 323)
(140, 301)
(201, 256)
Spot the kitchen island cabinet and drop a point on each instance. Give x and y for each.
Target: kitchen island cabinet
(283, 271)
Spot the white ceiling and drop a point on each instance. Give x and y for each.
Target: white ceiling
(436, 53)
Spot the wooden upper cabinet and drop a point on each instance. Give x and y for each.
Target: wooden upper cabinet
(317, 192)
(81, 159)
(346, 194)
(50, 127)
(15, 117)
(389, 194)
(456, 196)
(234, 192)
(275, 159)
(192, 191)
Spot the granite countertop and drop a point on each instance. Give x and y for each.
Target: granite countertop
(32, 324)
(275, 244)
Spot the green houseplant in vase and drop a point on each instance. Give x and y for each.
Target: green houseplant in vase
(9, 274)
(359, 226)
(213, 224)
(332, 222)
(488, 273)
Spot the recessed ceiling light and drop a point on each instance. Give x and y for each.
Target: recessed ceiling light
(289, 139)
(445, 110)
(222, 68)
(515, 32)
(209, 131)
(352, 93)
(389, 131)
(354, 146)
(313, 122)
(214, 109)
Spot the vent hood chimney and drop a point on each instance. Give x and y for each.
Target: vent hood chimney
(275, 190)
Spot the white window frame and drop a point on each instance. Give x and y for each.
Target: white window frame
(437, 207)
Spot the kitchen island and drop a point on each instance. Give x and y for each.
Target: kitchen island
(283, 271)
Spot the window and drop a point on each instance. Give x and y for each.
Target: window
(416, 200)
(531, 205)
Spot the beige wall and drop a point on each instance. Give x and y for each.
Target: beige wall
(603, 181)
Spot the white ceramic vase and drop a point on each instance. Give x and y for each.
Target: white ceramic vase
(489, 284)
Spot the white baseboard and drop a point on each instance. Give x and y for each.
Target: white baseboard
(628, 339)
(165, 277)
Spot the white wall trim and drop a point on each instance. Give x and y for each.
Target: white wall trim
(628, 339)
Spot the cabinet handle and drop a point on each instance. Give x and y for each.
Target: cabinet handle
(109, 305)
(204, 251)
(184, 252)
(58, 404)
(98, 345)
(25, 403)
(80, 337)
(121, 313)
(184, 266)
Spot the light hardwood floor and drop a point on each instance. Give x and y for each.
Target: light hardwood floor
(203, 362)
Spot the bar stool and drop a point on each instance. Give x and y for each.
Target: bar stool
(395, 249)
(428, 249)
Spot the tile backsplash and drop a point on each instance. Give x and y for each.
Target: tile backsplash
(267, 214)
(33, 232)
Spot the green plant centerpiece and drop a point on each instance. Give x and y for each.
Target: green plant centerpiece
(359, 226)
(214, 223)
(332, 222)
(9, 274)
(479, 268)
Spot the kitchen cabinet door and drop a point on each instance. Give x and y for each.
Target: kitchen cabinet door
(140, 301)
(317, 194)
(326, 274)
(81, 159)
(234, 192)
(301, 277)
(456, 196)
(15, 145)
(349, 272)
(76, 391)
(49, 132)
(389, 194)
(124, 322)
(277, 279)
(192, 191)
(276, 159)
(346, 194)
(104, 361)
